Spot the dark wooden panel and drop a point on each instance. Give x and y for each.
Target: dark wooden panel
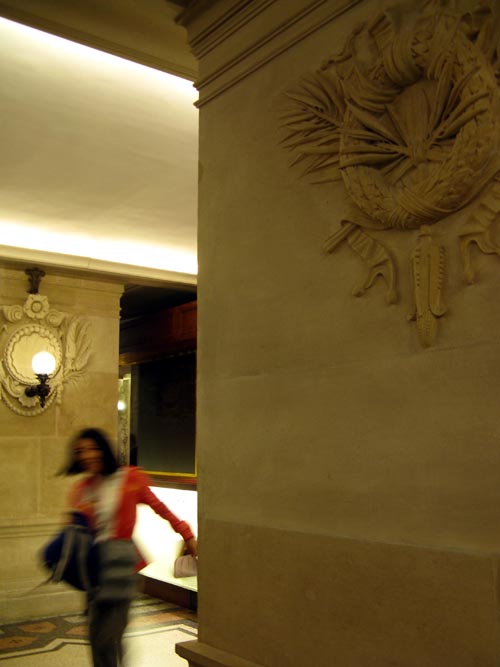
(159, 335)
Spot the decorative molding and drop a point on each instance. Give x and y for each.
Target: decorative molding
(24, 335)
(92, 268)
(407, 116)
(71, 33)
(33, 327)
(249, 56)
(233, 19)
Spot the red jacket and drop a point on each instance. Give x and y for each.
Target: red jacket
(125, 489)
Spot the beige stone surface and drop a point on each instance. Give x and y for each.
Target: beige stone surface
(346, 602)
(63, 291)
(90, 402)
(21, 567)
(105, 337)
(32, 427)
(34, 449)
(20, 465)
(392, 449)
(81, 295)
(54, 487)
(348, 477)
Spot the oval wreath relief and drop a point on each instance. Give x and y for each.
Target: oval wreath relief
(407, 115)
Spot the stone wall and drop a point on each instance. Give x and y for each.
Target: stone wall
(33, 449)
(348, 467)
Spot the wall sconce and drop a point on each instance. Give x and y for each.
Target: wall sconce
(38, 341)
(43, 364)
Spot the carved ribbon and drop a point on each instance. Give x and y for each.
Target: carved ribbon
(373, 253)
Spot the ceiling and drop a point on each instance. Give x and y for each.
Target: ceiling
(99, 153)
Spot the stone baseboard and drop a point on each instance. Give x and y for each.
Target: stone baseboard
(199, 654)
(44, 601)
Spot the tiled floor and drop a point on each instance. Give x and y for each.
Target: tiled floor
(154, 629)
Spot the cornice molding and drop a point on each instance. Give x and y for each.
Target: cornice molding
(193, 10)
(94, 41)
(233, 19)
(220, 36)
(14, 257)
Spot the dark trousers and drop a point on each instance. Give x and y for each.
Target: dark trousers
(107, 623)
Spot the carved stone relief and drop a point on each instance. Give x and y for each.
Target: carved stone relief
(31, 328)
(407, 116)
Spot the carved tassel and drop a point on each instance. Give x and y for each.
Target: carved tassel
(428, 268)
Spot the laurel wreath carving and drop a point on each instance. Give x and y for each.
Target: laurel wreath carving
(407, 116)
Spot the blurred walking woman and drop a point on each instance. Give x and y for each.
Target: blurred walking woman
(107, 497)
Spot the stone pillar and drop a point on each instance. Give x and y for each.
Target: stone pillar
(348, 455)
(34, 448)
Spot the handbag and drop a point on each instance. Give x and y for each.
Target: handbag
(106, 570)
(71, 555)
(185, 566)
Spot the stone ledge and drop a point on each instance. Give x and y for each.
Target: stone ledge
(40, 602)
(15, 528)
(199, 654)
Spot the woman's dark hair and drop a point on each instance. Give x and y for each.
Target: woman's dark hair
(110, 464)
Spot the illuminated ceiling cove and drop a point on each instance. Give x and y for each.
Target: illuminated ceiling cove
(99, 157)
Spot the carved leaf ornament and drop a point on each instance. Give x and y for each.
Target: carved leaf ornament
(407, 116)
(32, 327)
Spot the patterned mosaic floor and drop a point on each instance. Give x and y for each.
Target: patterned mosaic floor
(154, 629)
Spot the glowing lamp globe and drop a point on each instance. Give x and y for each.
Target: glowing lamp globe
(43, 363)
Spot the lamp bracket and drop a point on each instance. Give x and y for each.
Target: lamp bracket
(35, 278)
